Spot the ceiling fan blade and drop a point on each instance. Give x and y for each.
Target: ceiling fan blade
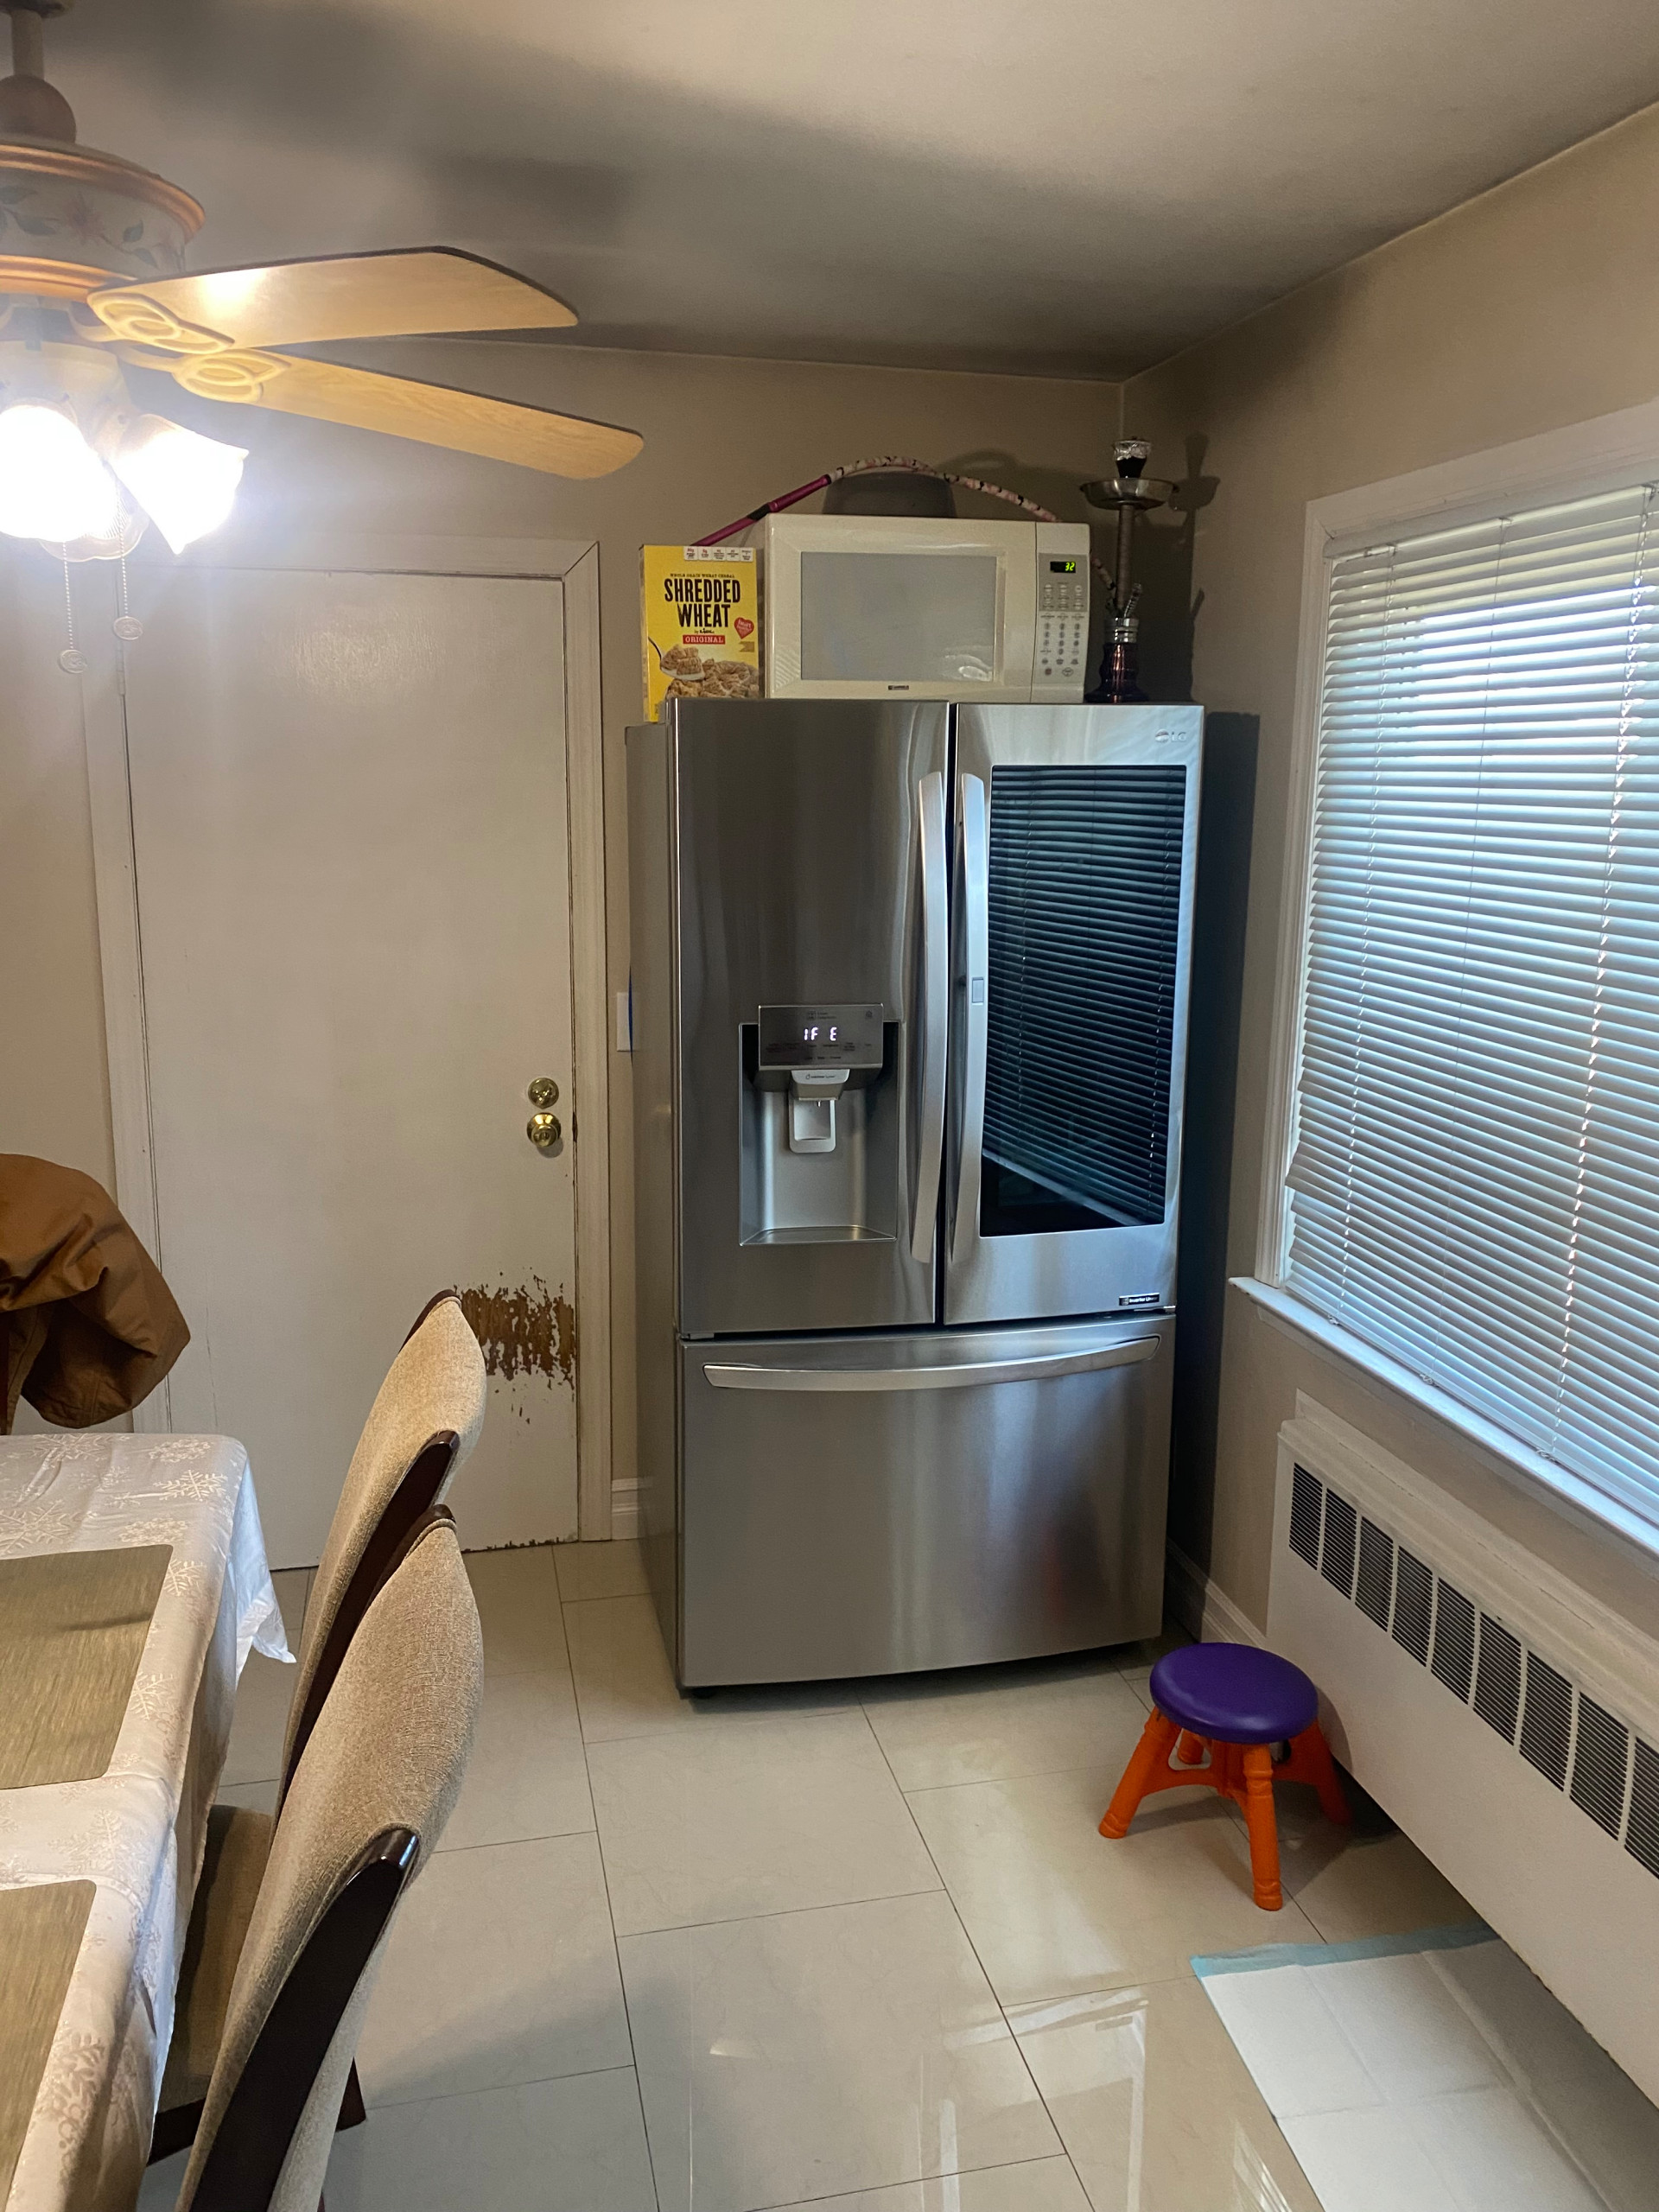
(396, 294)
(436, 415)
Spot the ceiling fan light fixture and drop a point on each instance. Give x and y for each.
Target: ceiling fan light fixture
(187, 483)
(129, 527)
(53, 486)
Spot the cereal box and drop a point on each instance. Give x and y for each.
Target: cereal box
(702, 606)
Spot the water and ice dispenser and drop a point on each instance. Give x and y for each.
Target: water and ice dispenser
(817, 1131)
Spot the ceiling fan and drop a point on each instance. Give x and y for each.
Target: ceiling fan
(92, 280)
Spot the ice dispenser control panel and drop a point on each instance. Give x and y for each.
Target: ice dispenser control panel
(820, 1051)
(820, 1037)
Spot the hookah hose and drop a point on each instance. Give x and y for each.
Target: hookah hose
(895, 461)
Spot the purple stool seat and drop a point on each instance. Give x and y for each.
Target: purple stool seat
(1234, 1694)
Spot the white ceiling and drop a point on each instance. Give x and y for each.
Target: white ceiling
(1046, 185)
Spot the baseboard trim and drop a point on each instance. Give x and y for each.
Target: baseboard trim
(1202, 1607)
(625, 1509)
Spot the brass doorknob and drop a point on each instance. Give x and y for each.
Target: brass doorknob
(543, 1091)
(544, 1129)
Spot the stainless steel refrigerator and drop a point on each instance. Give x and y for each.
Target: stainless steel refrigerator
(909, 1030)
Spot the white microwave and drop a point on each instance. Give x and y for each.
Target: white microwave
(876, 606)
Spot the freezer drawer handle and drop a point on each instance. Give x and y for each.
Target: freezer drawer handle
(966, 1374)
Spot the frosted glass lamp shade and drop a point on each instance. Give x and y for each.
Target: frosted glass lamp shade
(184, 482)
(53, 486)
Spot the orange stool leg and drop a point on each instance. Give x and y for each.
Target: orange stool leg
(1311, 1761)
(1231, 1775)
(1263, 1827)
(1190, 1750)
(1149, 1755)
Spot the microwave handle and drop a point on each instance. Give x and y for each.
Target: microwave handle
(974, 878)
(935, 1013)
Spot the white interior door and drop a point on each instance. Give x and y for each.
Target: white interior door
(349, 824)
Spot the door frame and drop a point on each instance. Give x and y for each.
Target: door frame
(574, 564)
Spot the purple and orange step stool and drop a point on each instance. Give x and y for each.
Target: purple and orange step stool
(1228, 1704)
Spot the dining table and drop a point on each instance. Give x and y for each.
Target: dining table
(133, 1586)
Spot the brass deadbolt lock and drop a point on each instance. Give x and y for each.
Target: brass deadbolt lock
(544, 1129)
(543, 1091)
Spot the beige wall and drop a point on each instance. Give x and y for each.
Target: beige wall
(721, 436)
(55, 1097)
(1533, 307)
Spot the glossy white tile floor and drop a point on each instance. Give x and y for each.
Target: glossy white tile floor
(1439, 2079)
(857, 1945)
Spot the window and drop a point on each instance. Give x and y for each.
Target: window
(1473, 1178)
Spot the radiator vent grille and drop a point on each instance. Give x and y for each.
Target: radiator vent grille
(1546, 1723)
(1414, 1607)
(1642, 1838)
(1453, 1661)
(1552, 1723)
(1497, 1684)
(1306, 1502)
(1374, 1592)
(1600, 1765)
(1337, 1553)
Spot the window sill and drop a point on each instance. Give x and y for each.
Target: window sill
(1515, 1462)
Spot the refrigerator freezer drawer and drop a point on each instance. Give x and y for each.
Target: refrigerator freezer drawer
(886, 1505)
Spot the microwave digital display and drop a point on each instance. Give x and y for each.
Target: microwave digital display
(1062, 567)
(913, 618)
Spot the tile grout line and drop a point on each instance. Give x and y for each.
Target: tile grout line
(997, 2166)
(967, 1937)
(610, 1912)
(786, 1912)
(494, 2088)
(783, 1715)
(729, 1725)
(490, 2088)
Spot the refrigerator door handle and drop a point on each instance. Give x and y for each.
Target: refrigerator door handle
(935, 1009)
(976, 930)
(963, 1374)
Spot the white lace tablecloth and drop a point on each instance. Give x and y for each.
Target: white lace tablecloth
(128, 1831)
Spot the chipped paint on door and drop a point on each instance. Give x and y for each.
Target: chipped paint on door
(528, 1331)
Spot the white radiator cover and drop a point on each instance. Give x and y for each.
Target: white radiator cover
(1537, 1861)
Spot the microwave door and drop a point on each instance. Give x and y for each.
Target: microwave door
(1074, 845)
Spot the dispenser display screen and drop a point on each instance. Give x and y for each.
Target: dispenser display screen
(820, 1037)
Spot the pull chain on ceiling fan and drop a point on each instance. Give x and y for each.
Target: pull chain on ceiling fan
(92, 280)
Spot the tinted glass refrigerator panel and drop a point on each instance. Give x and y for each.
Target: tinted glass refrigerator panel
(1074, 836)
(1084, 913)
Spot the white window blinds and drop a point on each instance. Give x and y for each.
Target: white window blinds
(1474, 1182)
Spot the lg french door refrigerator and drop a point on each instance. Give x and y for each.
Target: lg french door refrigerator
(909, 1031)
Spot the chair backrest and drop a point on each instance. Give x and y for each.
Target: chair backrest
(366, 1806)
(425, 1421)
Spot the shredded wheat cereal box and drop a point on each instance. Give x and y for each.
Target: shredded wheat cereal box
(702, 609)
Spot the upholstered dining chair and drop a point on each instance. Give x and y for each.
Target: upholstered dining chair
(280, 1966)
(422, 1425)
(425, 1421)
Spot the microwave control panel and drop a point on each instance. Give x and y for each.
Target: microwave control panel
(1062, 640)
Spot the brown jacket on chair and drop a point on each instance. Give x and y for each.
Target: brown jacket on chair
(87, 1326)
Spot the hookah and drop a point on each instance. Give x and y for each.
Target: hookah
(1129, 494)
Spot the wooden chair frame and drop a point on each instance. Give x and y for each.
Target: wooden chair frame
(244, 2161)
(175, 2130)
(405, 1510)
